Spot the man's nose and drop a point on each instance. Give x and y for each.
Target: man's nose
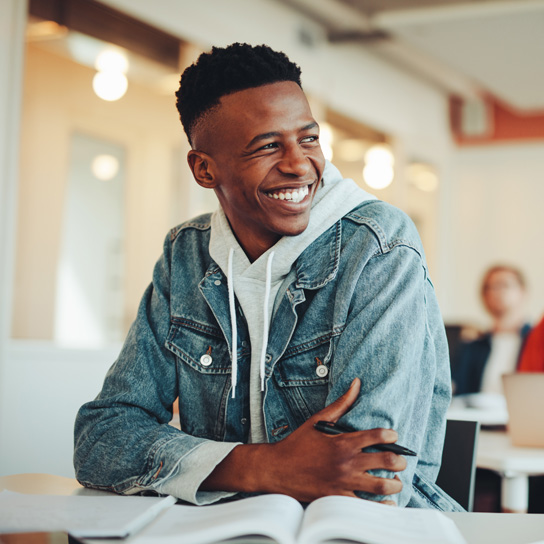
(294, 162)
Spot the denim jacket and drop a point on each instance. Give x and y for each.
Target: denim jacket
(358, 302)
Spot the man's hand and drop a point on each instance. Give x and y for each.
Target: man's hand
(309, 464)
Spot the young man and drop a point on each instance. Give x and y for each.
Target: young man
(301, 299)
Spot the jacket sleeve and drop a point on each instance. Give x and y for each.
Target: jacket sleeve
(123, 440)
(395, 342)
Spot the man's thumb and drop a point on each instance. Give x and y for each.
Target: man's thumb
(334, 411)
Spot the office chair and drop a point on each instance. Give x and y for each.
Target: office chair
(458, 470)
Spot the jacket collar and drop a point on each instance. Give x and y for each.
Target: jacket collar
(316, 266)
(318, 263)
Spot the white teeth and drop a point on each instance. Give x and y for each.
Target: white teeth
(292, 196)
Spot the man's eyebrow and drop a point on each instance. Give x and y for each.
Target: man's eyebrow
(267, 135)
(261, 137)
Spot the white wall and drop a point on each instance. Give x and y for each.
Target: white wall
(12, 21)
(495, 212)
(42, 390)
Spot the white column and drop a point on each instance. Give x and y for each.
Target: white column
(13, 14)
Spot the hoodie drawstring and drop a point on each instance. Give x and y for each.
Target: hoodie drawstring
(234, 329)
(265, 316)
(234, 347)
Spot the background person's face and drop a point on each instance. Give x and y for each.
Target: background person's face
(502, 293)
(268, 163)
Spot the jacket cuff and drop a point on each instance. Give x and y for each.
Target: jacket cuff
(198, 464)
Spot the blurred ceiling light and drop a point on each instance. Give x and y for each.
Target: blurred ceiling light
(351, 149)
(110, 86)
(105, 167)
(379, 153)
(326, 139)
(378, 175)
(423, 176)
(378, 172)
(110, 82)
(111, 60)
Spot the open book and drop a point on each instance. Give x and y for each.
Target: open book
(284, 521)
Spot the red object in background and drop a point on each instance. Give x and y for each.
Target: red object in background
(532, 357)
(505, 123)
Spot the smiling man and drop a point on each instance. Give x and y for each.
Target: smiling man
(302, 298)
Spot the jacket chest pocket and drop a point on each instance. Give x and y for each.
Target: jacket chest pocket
(204, 371)
(302, 376)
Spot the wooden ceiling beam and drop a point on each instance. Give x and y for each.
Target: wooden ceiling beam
(107, 24)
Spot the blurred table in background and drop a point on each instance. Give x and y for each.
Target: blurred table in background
(513, 463)
(495, 451)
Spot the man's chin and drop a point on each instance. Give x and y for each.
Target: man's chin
(295, 231)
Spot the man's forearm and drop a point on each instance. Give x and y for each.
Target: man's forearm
(245, 469)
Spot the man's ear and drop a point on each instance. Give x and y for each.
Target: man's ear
(201, 165)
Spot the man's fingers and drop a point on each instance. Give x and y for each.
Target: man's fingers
(334, 411)
(382, 486)
(386, 460)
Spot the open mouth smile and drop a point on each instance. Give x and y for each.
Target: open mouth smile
(291, 195)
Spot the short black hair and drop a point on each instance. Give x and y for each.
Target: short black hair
(223, 71)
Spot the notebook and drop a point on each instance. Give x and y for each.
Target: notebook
(524, 394)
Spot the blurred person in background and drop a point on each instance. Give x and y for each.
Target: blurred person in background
(480, 363)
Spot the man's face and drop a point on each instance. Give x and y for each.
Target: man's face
(265, 161)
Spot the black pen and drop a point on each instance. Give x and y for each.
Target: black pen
(328, 427)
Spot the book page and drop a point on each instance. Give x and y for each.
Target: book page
(275, 516)
(92, 516)
(358, 520)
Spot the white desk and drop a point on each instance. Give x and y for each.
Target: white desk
(492, 528)
(514, 464)
(477, 528)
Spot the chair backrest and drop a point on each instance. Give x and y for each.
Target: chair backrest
(457, 473)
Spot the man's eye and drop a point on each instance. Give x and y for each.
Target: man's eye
(310, 139)
(271, 145)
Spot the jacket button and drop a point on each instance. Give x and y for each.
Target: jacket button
(206, 360)
(217, 282)
(321, 371)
